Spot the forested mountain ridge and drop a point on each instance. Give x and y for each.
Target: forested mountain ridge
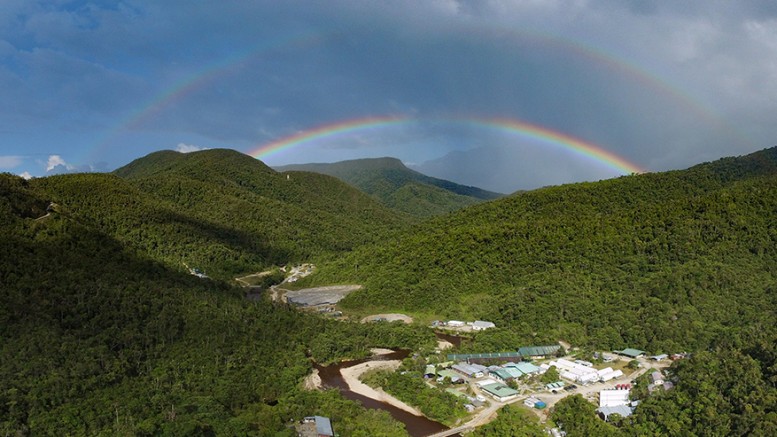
(400, 188)
(663, 261)
(99, 338)
(220, 211)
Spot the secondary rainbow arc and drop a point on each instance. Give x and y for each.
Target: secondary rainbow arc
(209, 73)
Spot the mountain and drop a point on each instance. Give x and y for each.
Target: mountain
(663, 262)
(400, 188)
(103, 332)
(254, 216)
(102, 335)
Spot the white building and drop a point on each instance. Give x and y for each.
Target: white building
(609, 374)
(575, 372)
(612, 398)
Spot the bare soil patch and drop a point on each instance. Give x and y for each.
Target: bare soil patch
(312, 381)
(320, 295)
(392, 317)
(351, 376)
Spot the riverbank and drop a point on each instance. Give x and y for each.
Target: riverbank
(312, 381)
(351, 376)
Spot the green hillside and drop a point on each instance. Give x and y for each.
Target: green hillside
(400, 188)
(662, 262)
(102, 331)
(221, 212)
(99, 339)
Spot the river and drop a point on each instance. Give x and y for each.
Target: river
(455, 340)
(416, 426)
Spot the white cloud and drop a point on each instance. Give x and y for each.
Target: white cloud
(188, 148)
(10, 161)
(56, 162)
(26, 175)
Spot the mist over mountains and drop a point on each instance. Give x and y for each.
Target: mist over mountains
(510, 169)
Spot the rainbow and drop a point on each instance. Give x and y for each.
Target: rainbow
(326, 131)
(203, 77)
(511, 126)
(210, 73)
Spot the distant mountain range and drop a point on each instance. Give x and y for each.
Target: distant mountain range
(400, 188)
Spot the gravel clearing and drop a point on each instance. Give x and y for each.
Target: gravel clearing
(320, 295)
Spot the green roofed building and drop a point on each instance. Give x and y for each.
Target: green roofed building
(538, 351)
(502, 374)
(632, 353)
(527, 368)
(500, 392)
(514, 372)
(453, 376)
(477, 358)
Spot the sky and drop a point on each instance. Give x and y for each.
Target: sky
(502, 94)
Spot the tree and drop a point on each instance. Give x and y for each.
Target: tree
(578, 417)
(550, 375)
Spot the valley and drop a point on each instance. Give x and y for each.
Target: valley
(125, 310)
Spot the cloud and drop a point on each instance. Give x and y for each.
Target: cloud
(57, 165)
(26, 175)
(660, 83)
(56, 162)
(188, 148)
(10, 161)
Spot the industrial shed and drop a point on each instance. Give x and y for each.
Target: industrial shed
(631, 353)
(500, 392)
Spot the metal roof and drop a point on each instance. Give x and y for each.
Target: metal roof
(629, 352)
(623, 410)
(462, 357)
(323, 426)
(527, 367)
(502, 373)
(500, 390)
(530, 351)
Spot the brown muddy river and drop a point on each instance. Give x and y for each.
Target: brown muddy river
(417, 426)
